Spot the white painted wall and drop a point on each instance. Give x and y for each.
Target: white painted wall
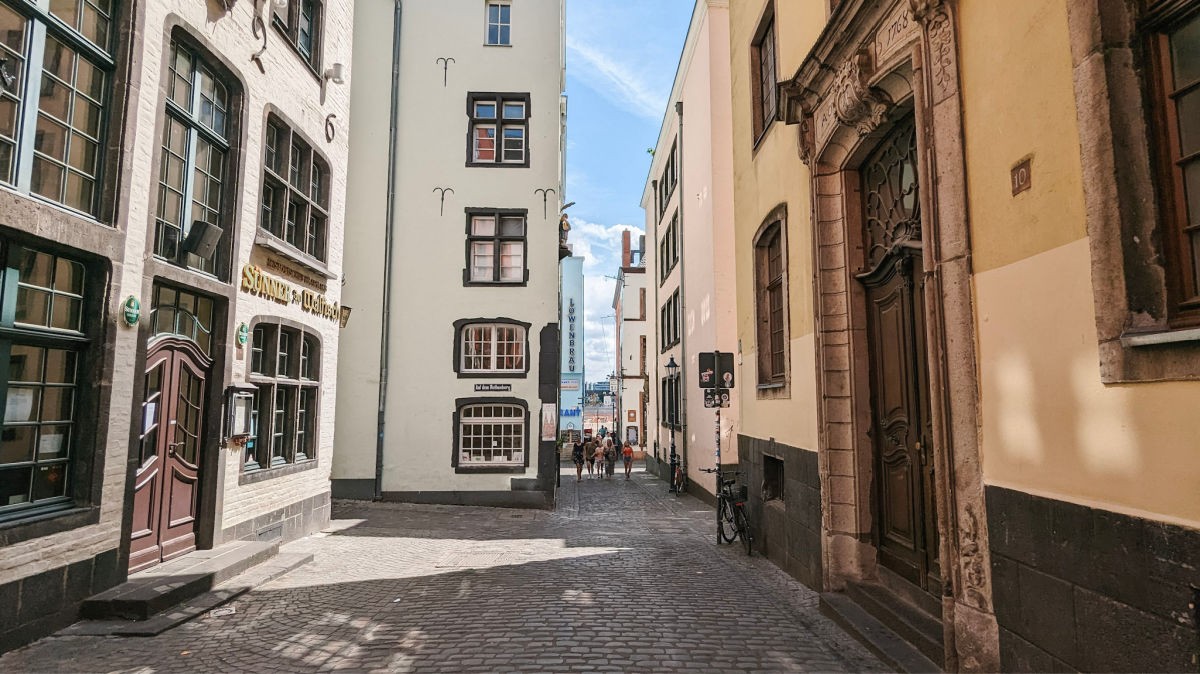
(427, 286)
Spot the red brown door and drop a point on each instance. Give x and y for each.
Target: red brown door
(166, 487)
(901, 423)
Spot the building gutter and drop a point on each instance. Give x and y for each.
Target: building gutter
(388, 237)
(683, 367)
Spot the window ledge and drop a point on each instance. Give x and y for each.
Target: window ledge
(262, 474)
(277, 245)
(497, 45)
(45, 523)
(772, 386)
(1134, 340)
(490, 469)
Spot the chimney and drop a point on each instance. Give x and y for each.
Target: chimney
(625, 255)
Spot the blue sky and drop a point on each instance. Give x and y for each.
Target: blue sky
(621, 59)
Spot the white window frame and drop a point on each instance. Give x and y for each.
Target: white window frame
(518, 437)
(475, 138)
(499, 24)
(492, 355)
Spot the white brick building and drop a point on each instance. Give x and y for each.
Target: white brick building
(146, 180)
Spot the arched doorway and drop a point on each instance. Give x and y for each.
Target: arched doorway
(903, 499)
(166, 496)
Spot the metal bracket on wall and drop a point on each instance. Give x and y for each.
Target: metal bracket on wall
(445, 61)
(259, 28)
(545, 192)
(443, 191)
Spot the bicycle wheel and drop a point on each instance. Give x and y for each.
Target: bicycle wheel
(743, 528)
(726, 525)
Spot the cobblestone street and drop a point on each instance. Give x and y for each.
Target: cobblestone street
(622, 577)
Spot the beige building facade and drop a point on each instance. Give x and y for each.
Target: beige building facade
(632, 316)
(175, 246)
(1000, 319)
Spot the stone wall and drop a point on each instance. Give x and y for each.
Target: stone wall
(787, 530)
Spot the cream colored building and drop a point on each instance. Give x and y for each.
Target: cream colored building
(989, 255)
(450, 363)
(688, 203)
(632, 318)
(186, 241)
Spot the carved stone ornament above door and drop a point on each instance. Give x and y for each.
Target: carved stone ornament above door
(855, 103)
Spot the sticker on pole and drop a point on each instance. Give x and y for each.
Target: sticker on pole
(716, 369)
(716, 398)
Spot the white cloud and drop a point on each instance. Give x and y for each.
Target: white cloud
(600, 247)
(607, 75)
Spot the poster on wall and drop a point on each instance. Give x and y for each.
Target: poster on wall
(549, 421)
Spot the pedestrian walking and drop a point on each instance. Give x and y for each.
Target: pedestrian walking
(589, 452)
(598, 458)
(610, 457)
(627, 457)
(576, 456)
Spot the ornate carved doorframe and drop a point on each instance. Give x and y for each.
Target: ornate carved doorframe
(877, 59)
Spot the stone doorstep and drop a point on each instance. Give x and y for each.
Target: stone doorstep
(882, 641)
(161, 587)
(225, 592)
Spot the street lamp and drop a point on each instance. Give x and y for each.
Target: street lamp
(672, 372)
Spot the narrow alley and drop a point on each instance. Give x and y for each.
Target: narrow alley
(622, 577)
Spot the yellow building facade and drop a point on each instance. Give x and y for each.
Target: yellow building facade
(988, 274)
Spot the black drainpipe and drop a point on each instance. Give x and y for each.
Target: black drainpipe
(683, 367)
(386, 331)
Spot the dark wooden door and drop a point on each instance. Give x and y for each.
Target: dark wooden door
(166, 486)
(901, 423)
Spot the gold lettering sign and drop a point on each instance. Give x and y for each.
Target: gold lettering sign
(256, 282)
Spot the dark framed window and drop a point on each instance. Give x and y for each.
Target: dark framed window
(182, 313)
(43, 345)
(1174, 49)
(285, 368)
(56, 71)
(301, 23)
(770, 306)
(492, 348)
(668, 250)
(192, 180)
(499, 129)
(295, 191)
(667, 181)
(496, 247)
(671, 397)
(499, 24)
(763, 78)
(669, 320)
(491, 434)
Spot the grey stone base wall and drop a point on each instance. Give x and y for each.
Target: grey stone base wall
(532, 499)
(788, 530)
(34, 607)
(293, 521)
(1078, 588)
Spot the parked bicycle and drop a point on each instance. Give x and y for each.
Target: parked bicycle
(732, 522)
(678, 480)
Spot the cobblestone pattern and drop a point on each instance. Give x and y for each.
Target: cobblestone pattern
(623, 577)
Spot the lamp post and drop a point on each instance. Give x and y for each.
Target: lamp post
(672, 372)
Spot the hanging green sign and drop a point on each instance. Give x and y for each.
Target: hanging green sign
(132, 310)
(243, 334)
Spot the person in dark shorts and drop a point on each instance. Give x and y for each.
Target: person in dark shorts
(589, 453)
(627, 457)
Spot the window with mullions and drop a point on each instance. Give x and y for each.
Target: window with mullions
(491, 435)
(492, 348)
(56, 67)
(285, 368)
(184, 314)
(770, 307)
(499, 128)
(671, 391)
(669, 318)
(499, 23)
(495, 247)
(301, 23)
(39, 446)
(763, 81)
(666, 182)
(668, 250)
(295, 195)
(192, 171)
